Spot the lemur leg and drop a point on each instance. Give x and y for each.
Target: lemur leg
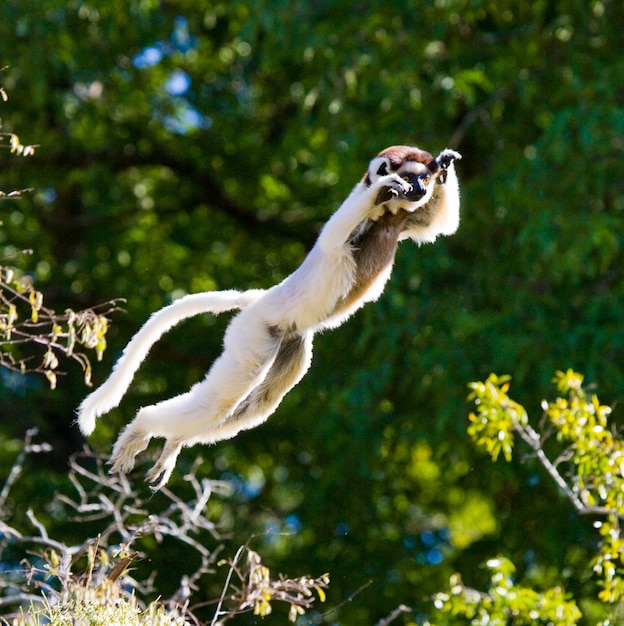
(292, 362)
(250, 348)
(160, 473)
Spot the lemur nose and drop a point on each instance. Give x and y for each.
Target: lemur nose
(419, 187)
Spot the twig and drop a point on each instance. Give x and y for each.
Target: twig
(217, 614)
(21, 598)
(18, 465)
(530, 436)
(400, 609)
(349, 598)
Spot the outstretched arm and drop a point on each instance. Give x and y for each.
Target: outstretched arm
(361, 204)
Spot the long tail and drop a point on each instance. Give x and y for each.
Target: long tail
(109, 394)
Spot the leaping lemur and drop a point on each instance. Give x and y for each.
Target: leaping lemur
(406, 193)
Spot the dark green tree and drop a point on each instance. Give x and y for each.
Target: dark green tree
(199, 145)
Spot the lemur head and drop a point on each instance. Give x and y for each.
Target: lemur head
(415, 166)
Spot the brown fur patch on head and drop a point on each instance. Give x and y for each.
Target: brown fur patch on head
(397, 155)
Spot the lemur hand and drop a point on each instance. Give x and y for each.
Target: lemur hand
(394, 188)
(411, 187)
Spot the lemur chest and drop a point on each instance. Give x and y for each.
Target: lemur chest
(373, 252)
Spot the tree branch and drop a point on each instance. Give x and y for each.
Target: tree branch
(532, 438)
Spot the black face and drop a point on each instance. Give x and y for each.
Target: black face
(419, 184)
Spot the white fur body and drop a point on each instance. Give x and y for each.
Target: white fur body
(268, 345)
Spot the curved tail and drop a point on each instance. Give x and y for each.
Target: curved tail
(109, 394)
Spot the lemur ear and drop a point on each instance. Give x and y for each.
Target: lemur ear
(378, 167)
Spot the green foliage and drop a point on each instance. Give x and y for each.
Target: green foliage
(189, 145)
(592, 453)
(41, 326)
(587, 468)
(498, 417)
(506, 603)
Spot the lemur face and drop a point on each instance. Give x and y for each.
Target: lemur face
(409, 165)
(420, 184)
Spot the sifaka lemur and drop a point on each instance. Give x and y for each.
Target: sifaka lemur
(405, 194)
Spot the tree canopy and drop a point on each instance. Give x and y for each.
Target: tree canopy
(195, 145)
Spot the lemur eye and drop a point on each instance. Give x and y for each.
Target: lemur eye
(426, 180)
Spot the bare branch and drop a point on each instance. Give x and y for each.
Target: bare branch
(400, 609)
(126, 518)
(530, 436)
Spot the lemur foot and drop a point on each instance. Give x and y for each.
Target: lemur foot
(444, 160)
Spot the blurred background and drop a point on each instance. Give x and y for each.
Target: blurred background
(189, 145)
